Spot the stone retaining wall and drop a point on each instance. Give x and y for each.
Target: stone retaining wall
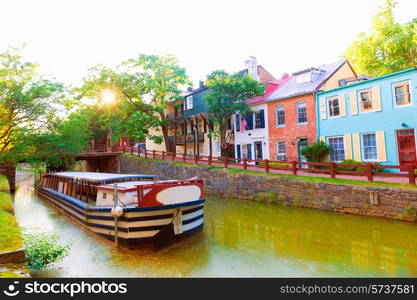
(381, 202)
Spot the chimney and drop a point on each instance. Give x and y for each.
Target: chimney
(189, 89)
(252, 67)
(201, 84)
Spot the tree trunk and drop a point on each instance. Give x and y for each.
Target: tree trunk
(164, 127)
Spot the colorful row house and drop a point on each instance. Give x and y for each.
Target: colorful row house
(292, 111)
(189, 126)
(251, 130)
(371, 121)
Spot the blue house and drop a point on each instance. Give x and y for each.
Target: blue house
(374, 120)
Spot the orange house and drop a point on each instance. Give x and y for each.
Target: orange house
(292, 108)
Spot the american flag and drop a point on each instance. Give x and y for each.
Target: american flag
(243, 124)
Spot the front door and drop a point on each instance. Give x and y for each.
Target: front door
(406, 142)
(258, 150)
(302, 143)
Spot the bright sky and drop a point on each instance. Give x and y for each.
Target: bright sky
(69, 36)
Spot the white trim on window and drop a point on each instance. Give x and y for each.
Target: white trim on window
(281, 156)
(328, 106)
(363, 149)
(279, 108)
(302, 102)
(409, 91)
(189, 102)
(372, 100)
(337, 137)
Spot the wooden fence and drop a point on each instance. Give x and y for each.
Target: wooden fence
(332, 169)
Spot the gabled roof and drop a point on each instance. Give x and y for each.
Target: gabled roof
(321, 75)
(271, 87)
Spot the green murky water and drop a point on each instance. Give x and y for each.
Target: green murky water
(240, 239)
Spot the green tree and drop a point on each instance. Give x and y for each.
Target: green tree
(64, 138)
(389, 47)
(27, 104)
(227, 96)
(143, 87)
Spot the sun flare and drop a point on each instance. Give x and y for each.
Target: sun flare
(108, 97)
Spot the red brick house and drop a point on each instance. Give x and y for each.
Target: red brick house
(292, 109)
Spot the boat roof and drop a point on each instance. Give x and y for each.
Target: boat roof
(131, 184)
(101, 177)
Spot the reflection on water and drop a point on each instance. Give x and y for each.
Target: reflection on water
(240, 238)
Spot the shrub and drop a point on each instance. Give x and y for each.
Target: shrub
(43, 249)
(351, 161)
(316, 152)
(275, 164)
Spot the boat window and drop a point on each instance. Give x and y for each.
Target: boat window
(104, 195)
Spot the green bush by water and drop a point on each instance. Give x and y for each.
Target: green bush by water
(43, 249)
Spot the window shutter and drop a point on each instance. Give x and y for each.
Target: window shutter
(262, 118)
(356, 147)
(342, 104)
(376, 95)
(380, 142)
(348, 147)
(249, 149)
(239, 155)
(249, 120)
(323, 108)
(353, 103)
(237, 122)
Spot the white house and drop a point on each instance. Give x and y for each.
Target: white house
(252, 141)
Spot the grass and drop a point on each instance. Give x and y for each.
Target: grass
(6, 202)
(10, 238)
(4, 184)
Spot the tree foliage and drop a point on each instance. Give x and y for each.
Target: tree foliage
(227, 96)
(389, 47)
(143, 87)
(26, 104)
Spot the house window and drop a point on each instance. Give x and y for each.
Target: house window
(189, 102)
(281, 150)
(217, 147)
(366, 100)
(369, 147)
(237, 122)
(280, 116)
(189, 127)
(402, 93)
(334, 108)
(301, 112)
(303, 77)
(260, 119)
(337, 146)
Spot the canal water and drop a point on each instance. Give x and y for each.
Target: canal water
(240, 239)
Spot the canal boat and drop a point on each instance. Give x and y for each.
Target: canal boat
(130, 209)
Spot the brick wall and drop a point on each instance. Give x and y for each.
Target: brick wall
(292, 132)
(400, 204)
